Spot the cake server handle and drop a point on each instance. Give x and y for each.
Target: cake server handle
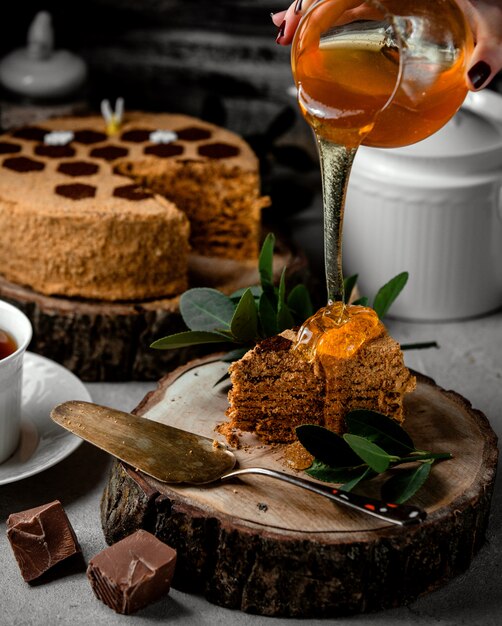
(401, 514)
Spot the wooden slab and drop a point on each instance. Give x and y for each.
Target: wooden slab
(265, 547)
(110, 341)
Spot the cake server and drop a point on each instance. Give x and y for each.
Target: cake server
(173, 455)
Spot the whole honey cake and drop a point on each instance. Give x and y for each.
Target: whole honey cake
(275, 388)
(114, 218)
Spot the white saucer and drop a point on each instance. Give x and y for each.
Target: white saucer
(43, 443)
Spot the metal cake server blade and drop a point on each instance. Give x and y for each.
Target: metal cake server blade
(173, 455)
(168, 454)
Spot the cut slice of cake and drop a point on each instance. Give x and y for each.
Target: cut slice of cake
(276, 388)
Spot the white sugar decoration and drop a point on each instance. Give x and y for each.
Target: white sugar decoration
(163, 136)
(58, 137)
(113, 119)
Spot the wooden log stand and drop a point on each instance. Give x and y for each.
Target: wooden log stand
(110, 341)
(265, 547)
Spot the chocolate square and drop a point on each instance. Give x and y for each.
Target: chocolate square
(133, 572)
(41, 538)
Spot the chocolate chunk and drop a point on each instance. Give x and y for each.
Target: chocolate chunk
(55, 152)
(164, 150)
(88, 137)
(41, 538)
(109, 153)
(32, 133)
(136, 135)
(131, 192)
(193, 133)
(133, 572)
(9, 148)
(218, 150)
(76, 191)
(23, 164)
(78, 168)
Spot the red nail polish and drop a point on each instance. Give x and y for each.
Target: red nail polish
(280, 32)
(479, 74)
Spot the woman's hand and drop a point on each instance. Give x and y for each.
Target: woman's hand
(484, 17)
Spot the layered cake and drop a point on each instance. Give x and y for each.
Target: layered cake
(86, 215)
(282, 382)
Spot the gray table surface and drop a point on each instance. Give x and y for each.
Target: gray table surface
(469, 361)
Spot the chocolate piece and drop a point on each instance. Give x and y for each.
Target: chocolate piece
(88, 137)
(55, 152)
(193, 133)
(164, 150)
(32, 133)
(218, 150)
(133, 572)
(109, 153)
(23, 164)
(9, 148)
(78, 168)
(76, 191)
(41, 538)
(136, 135)
(131, 192)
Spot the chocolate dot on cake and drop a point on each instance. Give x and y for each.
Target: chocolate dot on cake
(218, 151)
(78, 168)
(23, 164)
(88, 137)
(76, 191)
(55, 152)
(164, 150)
(31, 133)
(132, 192)
(9, 148)
(193, 133)
(136, 135)
(109, 153)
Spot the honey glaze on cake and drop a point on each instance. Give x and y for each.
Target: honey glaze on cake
(115, 218)
(341, 359)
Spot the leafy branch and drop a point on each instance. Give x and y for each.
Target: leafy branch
(255, 313)
(372, 445)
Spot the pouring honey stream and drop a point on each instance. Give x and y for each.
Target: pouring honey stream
(383, 73)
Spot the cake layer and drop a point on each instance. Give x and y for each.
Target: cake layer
(274, 389)
(75, 222)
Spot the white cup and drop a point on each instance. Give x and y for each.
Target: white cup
(14, 322)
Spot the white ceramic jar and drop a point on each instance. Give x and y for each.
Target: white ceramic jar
(433, 209)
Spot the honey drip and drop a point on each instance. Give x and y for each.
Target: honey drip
(337, 331)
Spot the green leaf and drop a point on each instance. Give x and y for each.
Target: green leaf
(268, 316)
(188, 338)
(256, 290)
(348, 286)
(284, 317)
(363, 474)
(244, 324)
(300, 304)
(419, 346)
(369, 452)
(326, 446)
(206, 309)
(336, 475)
(380, 429)
(388, 293)
(265, 263)
(405, 483)
(364, 301)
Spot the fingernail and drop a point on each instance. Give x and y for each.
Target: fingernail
(280, 32)
(479, 74)
(298, 6)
